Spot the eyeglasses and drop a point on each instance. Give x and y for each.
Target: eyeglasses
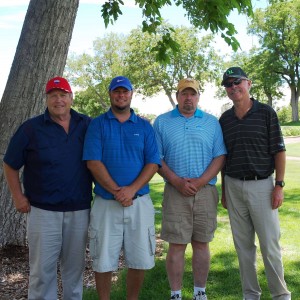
(235, 82)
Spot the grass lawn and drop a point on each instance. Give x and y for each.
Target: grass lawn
(224, 281)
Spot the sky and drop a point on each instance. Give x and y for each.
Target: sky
(89, 25)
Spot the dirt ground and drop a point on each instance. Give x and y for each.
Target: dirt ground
(14, 271)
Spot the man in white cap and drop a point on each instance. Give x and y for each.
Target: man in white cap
(57, 193)
(192, 151)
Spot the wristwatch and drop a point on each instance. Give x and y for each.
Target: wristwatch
(280, 183)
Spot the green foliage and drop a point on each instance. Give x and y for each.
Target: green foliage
(196, 59)
(278, 29)
(284, 114)
(202, 14)
(91, 74)
(290, 130)
(133, 56)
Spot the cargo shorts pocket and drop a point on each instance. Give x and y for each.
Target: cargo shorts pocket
(152, 240)
(172, 226)
(93, 241)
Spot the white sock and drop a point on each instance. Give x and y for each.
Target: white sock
(198, 289)
(176, 293)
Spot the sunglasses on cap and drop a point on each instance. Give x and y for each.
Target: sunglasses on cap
(235, 82)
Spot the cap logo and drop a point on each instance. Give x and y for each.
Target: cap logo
(229, 72)
(56, 81)
(119, 80)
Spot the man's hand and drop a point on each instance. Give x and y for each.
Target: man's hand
(277, 197)
(186, 187)
(22, 204)
(124, 195)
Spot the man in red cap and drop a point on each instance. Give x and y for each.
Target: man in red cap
(56, 193)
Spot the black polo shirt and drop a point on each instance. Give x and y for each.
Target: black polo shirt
(252, 141)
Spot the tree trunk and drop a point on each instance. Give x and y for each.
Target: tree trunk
(41, 54)
(295, 103)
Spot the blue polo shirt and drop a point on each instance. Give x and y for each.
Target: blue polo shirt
(188, 145)
(55, 177)
(124, 148)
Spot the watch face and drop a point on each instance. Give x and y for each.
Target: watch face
(280, 183)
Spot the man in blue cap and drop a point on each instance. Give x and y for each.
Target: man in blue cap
(122, 154)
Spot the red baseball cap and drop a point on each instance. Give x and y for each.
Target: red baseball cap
(58, 83)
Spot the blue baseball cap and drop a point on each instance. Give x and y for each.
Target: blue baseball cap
(120, 81)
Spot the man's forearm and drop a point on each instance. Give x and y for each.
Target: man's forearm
(102, 176)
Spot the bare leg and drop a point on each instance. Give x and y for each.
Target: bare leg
(135, 279)
(200, 263)
(175, 265)
(103, 285)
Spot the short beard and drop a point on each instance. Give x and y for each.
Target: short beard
(188, 107)
(120, 108)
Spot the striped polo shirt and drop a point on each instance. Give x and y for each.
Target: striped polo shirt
(188, 145)
(124, 148)
(251, 142)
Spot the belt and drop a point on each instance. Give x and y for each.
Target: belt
(256, 177)
(137, 196)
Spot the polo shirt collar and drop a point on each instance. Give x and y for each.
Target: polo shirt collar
(132, 118)
(254, 107)
(176, 113)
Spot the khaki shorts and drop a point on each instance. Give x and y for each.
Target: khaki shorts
(114, 227)
(189, 218)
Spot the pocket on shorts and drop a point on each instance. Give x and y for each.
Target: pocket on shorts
(152, 240)
(93, 238)
(172, 227)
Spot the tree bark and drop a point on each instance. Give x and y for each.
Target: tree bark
(295, 103)
(41, 54)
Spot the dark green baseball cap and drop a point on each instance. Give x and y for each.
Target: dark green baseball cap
(234, 72)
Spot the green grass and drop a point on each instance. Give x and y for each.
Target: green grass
(293, 149)
(224, 281)
(293, 123)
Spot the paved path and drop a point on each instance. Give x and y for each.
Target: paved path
(292, 140)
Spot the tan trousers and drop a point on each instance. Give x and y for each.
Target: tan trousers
(250, 213)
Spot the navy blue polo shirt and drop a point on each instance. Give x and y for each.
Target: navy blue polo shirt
(55, 177)
(124, 149)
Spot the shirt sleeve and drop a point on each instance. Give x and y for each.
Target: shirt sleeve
(92, 149)
(15, 155)
(219, 145)
(152, 152)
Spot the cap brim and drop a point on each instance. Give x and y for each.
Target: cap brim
(127, 87)
(188, 87)
(233, 76)
(58, 88)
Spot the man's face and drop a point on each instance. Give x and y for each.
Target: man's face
(187, 101)
(120, 99)
(59, 103)
(237, 88)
